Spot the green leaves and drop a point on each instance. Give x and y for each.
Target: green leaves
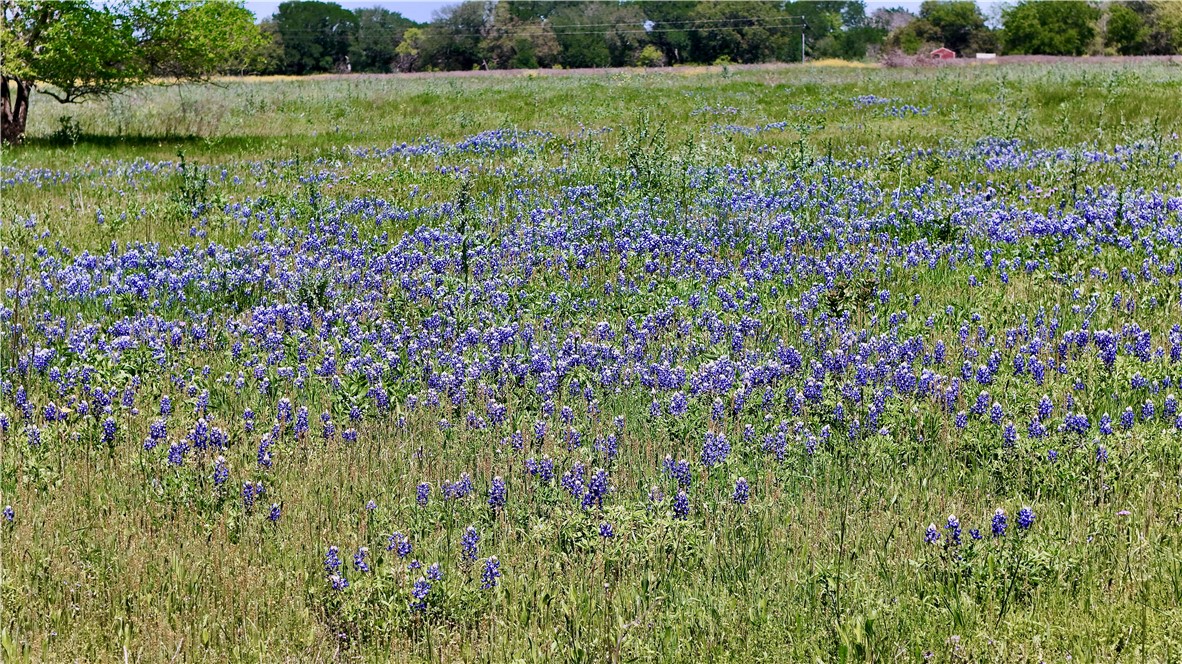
(84, 52)
(74, 50)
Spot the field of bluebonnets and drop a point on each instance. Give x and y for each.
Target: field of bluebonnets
(771, 365)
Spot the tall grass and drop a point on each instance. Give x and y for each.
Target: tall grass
(634, 222)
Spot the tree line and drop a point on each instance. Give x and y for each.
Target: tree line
(315, 36)
(73, 50)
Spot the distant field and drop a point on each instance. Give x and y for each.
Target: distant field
(775, 364)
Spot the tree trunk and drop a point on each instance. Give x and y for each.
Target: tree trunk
(14, 110)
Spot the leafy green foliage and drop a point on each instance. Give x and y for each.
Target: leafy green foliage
(1126, 30)
(374, 44)
(513, 43)
(73, 50)
(1050, 28)
(957, 22)
(615, 40)
(316, 35)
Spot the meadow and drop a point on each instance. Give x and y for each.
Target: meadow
(772, 365)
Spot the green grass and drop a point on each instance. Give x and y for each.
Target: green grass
(117, 556)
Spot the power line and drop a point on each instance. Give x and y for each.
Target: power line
(578, 28)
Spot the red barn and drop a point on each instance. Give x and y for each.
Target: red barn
(943, 53)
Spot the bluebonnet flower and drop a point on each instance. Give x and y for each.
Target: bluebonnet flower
(1126, 419)
(165, 406)
(176, 453)
(468, 542)
(715, 449)
(434, 573)
(371, 505)
(263, 456)
(741, 493)
(1044, 408)
(1101, 454)
(1052, 456)
(999, 523)
(332, 560)
(606, 531)
(462, 487)
(1147, 410)
(597, 488)
(609, 446)
(931, 535)
(338, 582)
(419, 593)
(1106, 424)
(251, 491)
(492, 572)
(221, 472)
(1036, 429)
(109, 429)
(301, 423)
(496, 493)
(422, 493)
(1025, 518)
(359, 562)
(679, 470)
(33, 434)
(572, 480)
(681, 506)
(975, 533)
(158, 430)
(953, 528)
(9, 514)
(275, 513)
(400, 544)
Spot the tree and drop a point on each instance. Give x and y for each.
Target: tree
(269, 57)
(741, 31)
(650, 56)
(72, 50)
(1049, 28)
(316, 35)
(957, 22)
(513, 43)
(834, 29)
(1126, 31)
(599, 34)
(914, 37)
(892, 19)
(670, 22)
(408, 49)
(1163, 22)
(452, 40)
(379, 31)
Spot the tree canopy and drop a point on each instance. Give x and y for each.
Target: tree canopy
(1050, 28)
(72, 50)
(316, 35)
(375, 42)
